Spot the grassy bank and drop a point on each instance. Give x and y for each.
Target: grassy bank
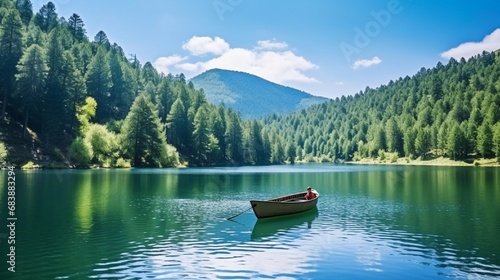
(434, 161)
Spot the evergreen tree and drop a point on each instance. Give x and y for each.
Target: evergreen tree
(121, 94)
(83, 56)
(233, 138)
(74, 87)
(149, 74)
(379, 140)
(457, 143)
(11, 49)
(443, 137)
(485, 140)
(201, 136)
(76, 27)
(496, 140)
(56, 97)
(290, 152)
(143, 136)
(25, 8)
(218, 128)
(177, 126)
(136, 66)
(98, 81)
(101, 38)
(34, 36)
(278, 151)
(46, 18)
(409, 143)
(32, 71)
(165, 98)
(264, 154)
(422, 142)
(257, 143)
(394, 137)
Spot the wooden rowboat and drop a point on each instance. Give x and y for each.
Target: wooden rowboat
(284, 205)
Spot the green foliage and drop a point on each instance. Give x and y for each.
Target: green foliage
(3, 153)
(84, 113)
(457, 143)
(177, 123)
(496, 140)
(234, 138)
(122, 163)
(65, 87)
(56, 93)
(394, 158)
(98, 81)
(423, 142)
(81, 152)
(381, 154)
(50, 67)
(485, 140)
(11, 37)
(103, 142)
(25, 8)
(143, 136)
(290, 152)
(201, 136)
(31, 81)
(46, 18)
(394, 137)
(449, 110)
(76, 27)
(30, 165)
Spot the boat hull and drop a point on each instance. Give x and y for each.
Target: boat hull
(284, 205)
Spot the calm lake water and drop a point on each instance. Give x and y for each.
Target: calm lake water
(371, 222)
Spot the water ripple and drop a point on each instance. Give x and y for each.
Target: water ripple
(353, 235)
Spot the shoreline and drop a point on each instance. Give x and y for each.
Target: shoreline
(439, 161)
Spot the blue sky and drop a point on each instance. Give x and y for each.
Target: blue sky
(327, 48)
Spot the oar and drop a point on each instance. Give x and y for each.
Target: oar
(232, 217)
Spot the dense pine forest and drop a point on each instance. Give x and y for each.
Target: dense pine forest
(85, 102)
(451, 110)
(70, 100)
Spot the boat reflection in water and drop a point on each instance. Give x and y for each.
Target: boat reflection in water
(282, 224)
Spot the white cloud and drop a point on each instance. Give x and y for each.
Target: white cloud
(270, 60)
(206, 45)
(271, 45)
(366, 62)
(489, 43)
(163, 63)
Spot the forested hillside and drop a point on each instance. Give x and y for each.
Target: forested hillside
(250, 95)
(451, 110)
(78, 101)
(87, 103)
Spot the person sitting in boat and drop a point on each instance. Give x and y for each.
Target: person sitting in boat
(309, 195)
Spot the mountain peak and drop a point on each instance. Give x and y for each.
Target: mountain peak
(251, 95)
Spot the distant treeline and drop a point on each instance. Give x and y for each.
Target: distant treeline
(451, 110)
(89, 98)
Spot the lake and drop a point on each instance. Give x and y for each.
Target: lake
(371, 222)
